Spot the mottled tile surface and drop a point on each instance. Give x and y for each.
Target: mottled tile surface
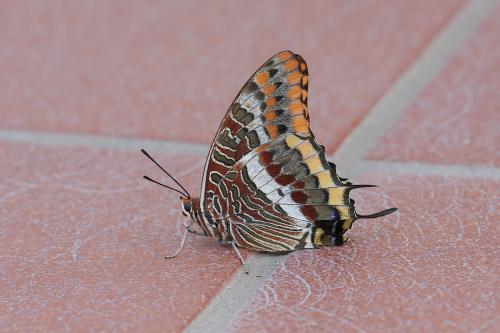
(456, 119)
(83, 236)
(169, 69)
(83, 239)
(433, 267)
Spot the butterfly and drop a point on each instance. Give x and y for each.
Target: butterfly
(267, 185)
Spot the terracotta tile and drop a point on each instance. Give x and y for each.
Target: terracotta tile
(82, 241)
(455, 120)
(169, 70)
(433, 267)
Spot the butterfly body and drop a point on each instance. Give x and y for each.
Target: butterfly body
(267, 185)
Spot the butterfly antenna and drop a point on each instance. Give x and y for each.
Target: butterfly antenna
(170, 188)
(186, 194)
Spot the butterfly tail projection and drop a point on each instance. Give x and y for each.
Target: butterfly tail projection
(378, 214)
(337, 236)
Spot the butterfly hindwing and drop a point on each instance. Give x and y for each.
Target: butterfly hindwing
(291, 181)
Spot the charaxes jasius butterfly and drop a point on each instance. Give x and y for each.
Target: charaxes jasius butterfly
(267, 185)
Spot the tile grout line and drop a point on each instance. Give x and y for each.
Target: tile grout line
(219, 314)
(407, 88)
(101, 141)
(195, 149)
(427, 169)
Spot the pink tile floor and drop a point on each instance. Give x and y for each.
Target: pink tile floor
(83, 240)
(455, 121)
(136, 70)
(430, 268)
(82, 236)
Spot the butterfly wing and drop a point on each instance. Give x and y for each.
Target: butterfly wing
(284, 196)
(272, 100)
(266, 177)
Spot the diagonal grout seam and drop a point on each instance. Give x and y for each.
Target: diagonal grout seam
(219, 314)
(387, 111)
(424, 169)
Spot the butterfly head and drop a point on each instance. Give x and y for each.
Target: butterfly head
(191, 207)
(187, 206)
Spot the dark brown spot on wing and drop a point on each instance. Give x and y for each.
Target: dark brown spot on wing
(299, 197)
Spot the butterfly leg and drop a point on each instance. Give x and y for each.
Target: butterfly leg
(240, 257)
(194, 232)
(184, 236)
(180, 247)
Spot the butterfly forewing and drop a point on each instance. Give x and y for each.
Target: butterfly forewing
(270, 104)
